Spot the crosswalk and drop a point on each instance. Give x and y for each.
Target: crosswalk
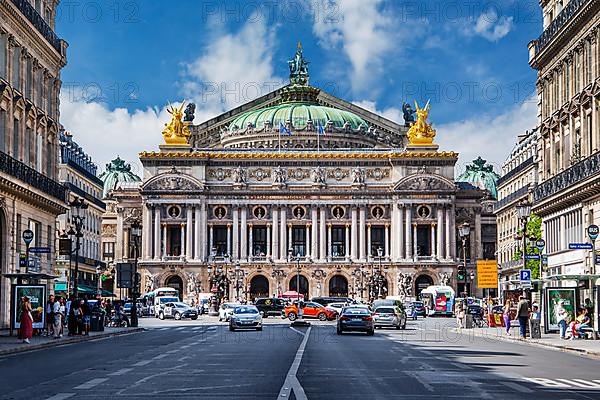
(195, 328)
(563, 383)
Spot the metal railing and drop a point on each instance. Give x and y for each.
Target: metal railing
(572, 7)
(39, 23)
(511, 197)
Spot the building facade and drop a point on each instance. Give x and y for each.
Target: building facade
(31, 58)
(78, 173)
(299, 181)
(567, 59)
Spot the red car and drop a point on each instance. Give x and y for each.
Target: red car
(311, 310)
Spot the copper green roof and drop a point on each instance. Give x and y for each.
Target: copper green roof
(117, 171)
(481, 175)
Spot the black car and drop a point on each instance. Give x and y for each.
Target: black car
(272, 306)
(325, 301)
(355, 318)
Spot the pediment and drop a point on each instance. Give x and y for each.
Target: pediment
(425, 182)
(173, 181)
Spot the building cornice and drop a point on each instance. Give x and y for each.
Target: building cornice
(286, 155)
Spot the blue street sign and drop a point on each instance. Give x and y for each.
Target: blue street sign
(580, 246)
(525, 275)
(39, 249)
(532, 256)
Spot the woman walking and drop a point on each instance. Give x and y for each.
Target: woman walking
(26, 328)
(506, 316)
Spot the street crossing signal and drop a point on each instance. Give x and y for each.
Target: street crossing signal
(461, 274)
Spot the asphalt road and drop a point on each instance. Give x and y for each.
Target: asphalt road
(203, 360)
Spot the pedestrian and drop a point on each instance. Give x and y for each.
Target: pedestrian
(561, 315)
(57, 318)
(460, 315)
(26, 327)
(523, 316)
(506, 317)
(535, 313)
(77, 314)
(50, 316)
(63, 312)
(87, 316)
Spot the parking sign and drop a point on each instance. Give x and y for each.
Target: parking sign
(525, 276)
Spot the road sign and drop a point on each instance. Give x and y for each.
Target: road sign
(540, 244)
(545, 259)
(597, 258)
(580, 246)
(27, 236)
(532, 256)
(487, 274)
(39, 249)
(593, 231)
(525, 275)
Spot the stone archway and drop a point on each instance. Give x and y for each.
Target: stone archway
(338, 286)
(422, 282)
(175, 282)
(303, 285)
(259, 287)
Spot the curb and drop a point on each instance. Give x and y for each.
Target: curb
(533, 342)
(67, 340)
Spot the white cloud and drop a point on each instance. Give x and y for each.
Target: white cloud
(391, 113)
(490, 26)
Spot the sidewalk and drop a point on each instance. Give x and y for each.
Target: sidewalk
(11, 344)
(550, 340)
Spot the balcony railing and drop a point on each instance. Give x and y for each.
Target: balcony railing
(515, 171)
(38, 22)
(511, 197)
(31, 177)
(576, 173)
(555, 26)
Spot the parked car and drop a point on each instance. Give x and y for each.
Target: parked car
(337, 307)
(225, 311)
(270, 306)
(419, 308)
(355, 319)
(325, 301)
(310, 310)
(392, 317)
(177, 310)
(245, 317)
(128, 306)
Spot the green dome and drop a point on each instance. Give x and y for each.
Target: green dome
(481, 175)
(298, 114)
(117, 171)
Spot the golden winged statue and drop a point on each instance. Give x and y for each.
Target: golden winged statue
(176, 132)
(421, 133)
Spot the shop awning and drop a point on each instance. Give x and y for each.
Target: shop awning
(85, 289)
(29, 275)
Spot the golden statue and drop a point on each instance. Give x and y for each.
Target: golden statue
(176, 132)
(421, 133)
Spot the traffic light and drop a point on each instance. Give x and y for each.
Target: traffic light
(461, 274)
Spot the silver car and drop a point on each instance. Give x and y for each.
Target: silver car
(245, 317)
(388, 316)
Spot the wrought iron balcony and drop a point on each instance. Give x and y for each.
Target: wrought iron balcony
(39, 23)
(511, 197)
(578, 172)
(556, 25)
(31, 177)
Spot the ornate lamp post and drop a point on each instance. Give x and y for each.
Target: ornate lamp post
(523, 213)
(77, 221)
(360, 274)
(237, 275)
(379, 278)
(136, 234)
(278, 274)
(464, 230)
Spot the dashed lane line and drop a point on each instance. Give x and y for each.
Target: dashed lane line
(142, 363)
(91, 384)
(291, 381)
(517, 387)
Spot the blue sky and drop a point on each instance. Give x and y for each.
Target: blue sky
(127, 59)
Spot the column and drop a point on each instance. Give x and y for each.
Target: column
(197, 232)
(157, 232)
(415, 249)
(211, 240)
(329, 253)
(119, 253)
(347, 242)
(387, 242)
(204, 233)
(478, 245)
(447, 223)
(283, 246)
(275, 234)
(563, 230)
(229, 239)
(183, 240)
(408, 227)
(164, 240)
(369, 242)
(234, 251)
(400, 232)
(189, 232)
(394, 237)
(250, 242)
(244, 234)
(324, 238)
(313, 238)
(308, 241)
(126, 244)
(361, 234)
(440, 230)
(433, 252)
(354, 240)
(289, 241)
(146, 232)
(269, 228)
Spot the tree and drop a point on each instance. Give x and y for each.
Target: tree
(533, 230)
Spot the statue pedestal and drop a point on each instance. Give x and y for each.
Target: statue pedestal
(175, 148)
(426, 148)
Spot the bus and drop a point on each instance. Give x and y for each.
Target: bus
(438, 300)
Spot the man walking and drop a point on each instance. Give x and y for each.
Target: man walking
(523, 316)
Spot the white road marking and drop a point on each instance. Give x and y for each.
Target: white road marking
(172, 351)
(181, 328)
(297, 331)
(158, 357)
(291, 381)
(91, 384)
(142, 363)
(420, 380)
(122, 371)
(197, 328)
(61, 396)
(517, 387)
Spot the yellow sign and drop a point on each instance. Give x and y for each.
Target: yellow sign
(487, 274)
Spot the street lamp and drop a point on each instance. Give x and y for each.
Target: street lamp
(278, 274)
(237, 275)
(297, 259)
(77, 205)
(464, 230)
(379, 278)
(136, 234)
(360, 274)
(523, 213)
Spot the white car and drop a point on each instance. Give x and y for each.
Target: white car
(245, 317)
(225, 311)
(337, 307)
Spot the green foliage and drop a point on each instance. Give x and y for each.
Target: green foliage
(534, 229)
